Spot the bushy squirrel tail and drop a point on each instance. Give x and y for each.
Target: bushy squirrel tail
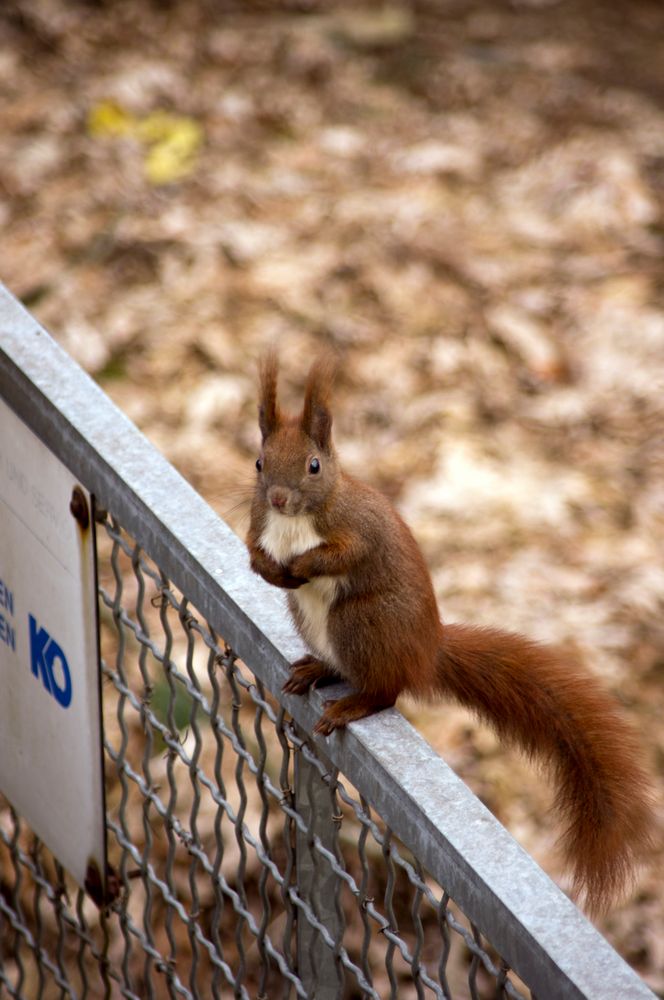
(561, 715)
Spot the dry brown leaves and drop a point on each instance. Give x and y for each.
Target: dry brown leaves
(467, 200)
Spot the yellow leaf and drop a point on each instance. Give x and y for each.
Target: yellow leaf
(172, 140)
(175, 141)
(158, 125)
(109, 119)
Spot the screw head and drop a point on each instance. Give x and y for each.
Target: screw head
(79, 507)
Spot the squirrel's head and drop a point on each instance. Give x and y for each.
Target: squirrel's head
(297, 467)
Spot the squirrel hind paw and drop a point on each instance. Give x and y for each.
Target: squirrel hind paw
(305, 674)
(350, 708)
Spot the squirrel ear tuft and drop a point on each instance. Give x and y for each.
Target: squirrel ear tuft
(316, 415)
(269, 416)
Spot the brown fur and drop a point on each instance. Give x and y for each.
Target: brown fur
(383, 630)
(562, 715)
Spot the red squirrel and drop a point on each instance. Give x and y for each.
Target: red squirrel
(362, 599)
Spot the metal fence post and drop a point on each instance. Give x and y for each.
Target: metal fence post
(317, 884)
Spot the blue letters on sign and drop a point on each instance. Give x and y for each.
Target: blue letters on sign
(44, 651)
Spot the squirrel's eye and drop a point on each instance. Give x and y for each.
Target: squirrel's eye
(259, 464)
(314, 466)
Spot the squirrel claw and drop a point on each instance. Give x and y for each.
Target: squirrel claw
(325, 726)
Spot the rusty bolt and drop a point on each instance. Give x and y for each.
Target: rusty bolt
(79, 507)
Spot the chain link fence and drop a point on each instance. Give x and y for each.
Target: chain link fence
(245, 865)
(247, 860)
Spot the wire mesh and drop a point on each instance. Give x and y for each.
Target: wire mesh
(245, 865)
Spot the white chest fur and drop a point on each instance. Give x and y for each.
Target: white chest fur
(284, 538)
(310, 605)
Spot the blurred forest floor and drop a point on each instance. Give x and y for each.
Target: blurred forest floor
(467, 200)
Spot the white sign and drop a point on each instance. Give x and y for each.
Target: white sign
(50, 718)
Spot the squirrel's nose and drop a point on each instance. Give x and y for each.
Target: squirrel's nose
(278, 498)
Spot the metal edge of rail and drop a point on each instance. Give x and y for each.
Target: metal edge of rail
(526, 917)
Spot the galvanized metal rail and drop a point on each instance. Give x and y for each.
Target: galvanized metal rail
(196, 562)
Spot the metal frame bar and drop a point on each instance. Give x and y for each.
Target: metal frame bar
(544, 937)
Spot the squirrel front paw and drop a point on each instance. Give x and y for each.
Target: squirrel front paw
(274, 573)
(300, 567)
